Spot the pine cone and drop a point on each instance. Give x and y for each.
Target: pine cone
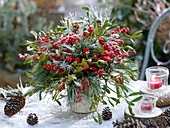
(163, 100)
(32, 119)
(166, 112)
(115, 124)
(150, 123)
(14, 105)
(129, 123)
(106, 113)
(162, 121)
(168, 121)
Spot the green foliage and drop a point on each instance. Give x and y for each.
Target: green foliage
(17, 18)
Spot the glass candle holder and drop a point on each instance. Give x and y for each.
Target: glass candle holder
(157, 77)
(147, 104)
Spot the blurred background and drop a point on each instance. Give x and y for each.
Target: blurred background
(19, 17)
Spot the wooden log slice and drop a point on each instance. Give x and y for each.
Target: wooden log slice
(142, 116)
(145, 90)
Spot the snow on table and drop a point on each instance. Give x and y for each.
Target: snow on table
(51, 115)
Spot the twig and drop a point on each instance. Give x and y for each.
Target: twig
(3, 98)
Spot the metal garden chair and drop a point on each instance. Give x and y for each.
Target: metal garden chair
(150, 44)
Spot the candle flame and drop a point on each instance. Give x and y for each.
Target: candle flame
(153, 78)
(158, 64)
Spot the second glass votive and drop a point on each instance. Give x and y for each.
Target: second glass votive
(147, 104)
(157, 77)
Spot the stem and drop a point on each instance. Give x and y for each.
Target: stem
(4, 99)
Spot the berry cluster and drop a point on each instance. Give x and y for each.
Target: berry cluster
(23, 56)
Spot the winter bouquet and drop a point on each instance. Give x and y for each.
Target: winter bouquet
(75, 58)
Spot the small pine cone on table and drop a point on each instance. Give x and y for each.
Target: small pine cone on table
(166, 112)
(150, 123)
(14, 105)
(106, 113)
(32, 119)
(162, 121)
(115, 124)
(129, 123)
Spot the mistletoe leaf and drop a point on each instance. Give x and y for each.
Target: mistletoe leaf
(33, 46)
(95, 119)
(123, 87)
(29, 75)
(68, 23)
(58, 102)
(26, 42)
(77, 83)
(85, 8)
(111, 103)
(28, 60)
(130, 110)
(101, 49)
(34, 33)
(42, 57)
(84, 62)
(35, 67)
(134, 94)
(56, 87)
(137, 99)
(116, 100)
(99, 118)
(137, 34)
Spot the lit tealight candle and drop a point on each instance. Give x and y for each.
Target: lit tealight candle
(155, 83)
(146, 106)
